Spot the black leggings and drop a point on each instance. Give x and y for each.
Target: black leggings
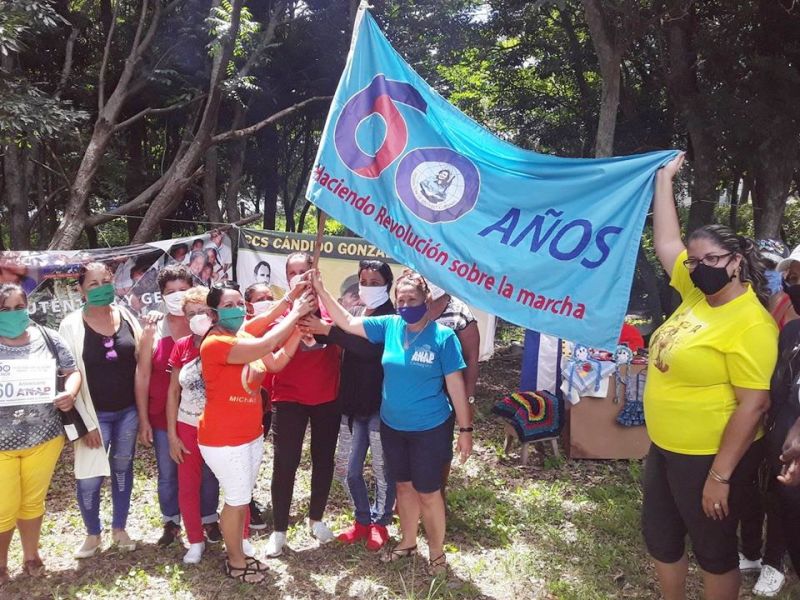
(289, 421)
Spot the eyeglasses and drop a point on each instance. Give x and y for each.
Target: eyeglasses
(225, 285)
(111, 353)
(710, 260)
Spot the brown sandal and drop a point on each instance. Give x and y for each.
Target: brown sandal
(396, 553)
(33, 567)
(256, 564)
(437, 566)
(246, 574)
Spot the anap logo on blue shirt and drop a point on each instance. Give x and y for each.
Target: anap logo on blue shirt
(423, 356)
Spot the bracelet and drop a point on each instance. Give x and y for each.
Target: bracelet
(465, 429)
(287, 299)
(717, 477)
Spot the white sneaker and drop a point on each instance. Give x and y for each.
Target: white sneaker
(248, 549)
(195, 553)
(769, 583)
(321, 532)
(275, 544)
(748, 566)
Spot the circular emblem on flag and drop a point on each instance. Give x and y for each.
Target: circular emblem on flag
(437, 184)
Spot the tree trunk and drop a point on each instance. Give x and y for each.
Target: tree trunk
(268, 145)
(685, 93)
(579, 70)
(775, 163)
(609, 54)
(175, 186)
(16, 197)
(236, 161)
(76, 210)
(733, 216)
(210, 197)
(135, 170)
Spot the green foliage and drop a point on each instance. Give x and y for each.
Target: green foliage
(20, 19)
(25, 110)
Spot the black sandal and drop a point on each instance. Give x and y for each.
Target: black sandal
(437, 566)
(398, 553)
(241, 574)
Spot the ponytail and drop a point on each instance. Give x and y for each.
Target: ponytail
(753, 269)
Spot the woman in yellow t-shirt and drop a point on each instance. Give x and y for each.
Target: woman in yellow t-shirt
(707, 392)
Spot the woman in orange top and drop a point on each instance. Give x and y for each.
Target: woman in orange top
(229, 432)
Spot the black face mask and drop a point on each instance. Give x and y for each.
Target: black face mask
(793, 291)
(710, 280)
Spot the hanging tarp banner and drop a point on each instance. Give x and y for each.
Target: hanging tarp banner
(50, 278)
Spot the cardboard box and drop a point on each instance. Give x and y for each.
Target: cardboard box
(592, 430)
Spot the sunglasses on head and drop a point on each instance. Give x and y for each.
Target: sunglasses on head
(225, 285)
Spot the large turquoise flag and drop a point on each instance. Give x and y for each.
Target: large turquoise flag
(545, 242)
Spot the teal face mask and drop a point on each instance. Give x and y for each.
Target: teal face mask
(13, 323)
(231, 318)
(102, 295)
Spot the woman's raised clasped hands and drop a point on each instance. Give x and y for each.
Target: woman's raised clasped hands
(305, 304)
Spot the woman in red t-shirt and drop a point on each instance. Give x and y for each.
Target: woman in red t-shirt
(304, 392)
(229, 432)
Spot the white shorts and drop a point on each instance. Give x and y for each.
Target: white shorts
(236, 468)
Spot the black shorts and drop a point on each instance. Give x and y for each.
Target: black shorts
(418, 456)
(673, 493)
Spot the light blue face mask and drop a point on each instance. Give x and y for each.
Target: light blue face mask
(774, 281)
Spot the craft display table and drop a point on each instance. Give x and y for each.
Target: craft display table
(592, 430)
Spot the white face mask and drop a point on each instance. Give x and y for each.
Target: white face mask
(200, 324)
(261, 307)
(373, 297)
(174, 302)
(436, 291)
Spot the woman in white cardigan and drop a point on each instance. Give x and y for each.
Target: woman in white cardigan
(104, 338)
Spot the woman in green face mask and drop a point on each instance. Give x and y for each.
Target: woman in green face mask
(104, 337)
(32, 435)
(230, 431)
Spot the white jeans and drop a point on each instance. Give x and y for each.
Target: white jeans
(236, 468)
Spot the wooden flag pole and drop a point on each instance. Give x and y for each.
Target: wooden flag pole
(321, 218)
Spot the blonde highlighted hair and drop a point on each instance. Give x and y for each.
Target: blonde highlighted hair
(195, 295)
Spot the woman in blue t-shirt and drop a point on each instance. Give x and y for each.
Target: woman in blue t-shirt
(420, 358)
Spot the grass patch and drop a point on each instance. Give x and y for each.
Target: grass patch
(550, 530)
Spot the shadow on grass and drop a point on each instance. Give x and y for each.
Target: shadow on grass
(362, 575)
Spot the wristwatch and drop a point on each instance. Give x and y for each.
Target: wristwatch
(471, 399)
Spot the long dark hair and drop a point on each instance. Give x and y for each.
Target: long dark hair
(752, 265)
(379, 267)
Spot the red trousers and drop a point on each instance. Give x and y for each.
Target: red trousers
(197, 487)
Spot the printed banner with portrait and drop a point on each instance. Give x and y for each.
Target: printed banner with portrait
(50, 277)
(261, 257)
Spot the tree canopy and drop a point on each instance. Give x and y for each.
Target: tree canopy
(126, 120)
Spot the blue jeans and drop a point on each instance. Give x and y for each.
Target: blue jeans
(119, 431)
(366, 435)
(167, 478)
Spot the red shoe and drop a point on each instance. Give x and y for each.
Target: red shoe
(354, 533)
(378, 536)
